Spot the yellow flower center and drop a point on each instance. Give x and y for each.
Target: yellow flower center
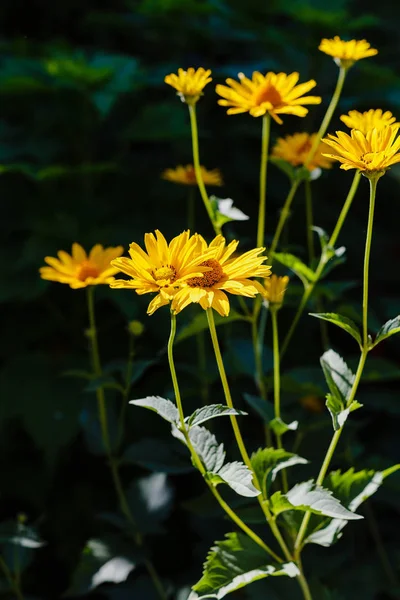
(209, 277)
(87, 269)
(268, 94)
(165, 275)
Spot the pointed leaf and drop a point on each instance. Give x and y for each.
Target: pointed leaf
(234, 563)
(296, 265)
(307, 496)
(337, 374)
(267, 462)
(338, 412)
(205, 413)
(238, 477)
(387, 330)
(165, 408)
(352, 489)
(211, 454)
(280, 427)
(342, 322)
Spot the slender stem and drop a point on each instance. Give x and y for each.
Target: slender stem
(238, 435)
(332, 241)
(309, 221)
(303, 581)
(277, 385)
(328, 115)
(258, 333)
(284, 215)
(127, 388)
(363, 357)
(12, 582)
(266, 127)
(195, 457)
(196, 164)
(102, 409)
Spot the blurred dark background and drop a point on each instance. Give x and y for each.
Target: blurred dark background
(86, 128)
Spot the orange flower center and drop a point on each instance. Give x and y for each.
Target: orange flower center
(191, 175)
(210, 277)
(87, 269)
(165, 275)
(268, 93)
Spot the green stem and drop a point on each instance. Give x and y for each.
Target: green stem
(266, 127)
(309, 222)
(363, 357)
(12, 582)
(258, 333)
(238, 435)
(328, 115)
(284, 215)
(197, 170)
(127, 388)
(277, 385)
(195, 457)
(310, 287)
(102, 409)
(303, 581)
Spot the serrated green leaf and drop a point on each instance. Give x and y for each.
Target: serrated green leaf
(337, 411)
(267, 462)
(342, 322)
(200, 323)
(205, 413)
(211, 454)
(262, 407)
(338, 375)
(387, 330)
(165, 408)
(234, 563)
(307, 496)
(280, 427)
(238, 477)
(352, 489)
(294, 263)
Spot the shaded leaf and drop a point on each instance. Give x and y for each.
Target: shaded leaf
(234, 563)
(387, 330)
(296, 265)
(267, 462)
(165, 408)
(342, 322)
(150, 500)
(205, 413)
(262, 407)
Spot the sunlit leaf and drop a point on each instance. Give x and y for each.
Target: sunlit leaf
(294, 263)
(165, 408)
(280, 427)
(337, 374)
(205, 413)
(211, 453)
(238, 477)
(342, 322)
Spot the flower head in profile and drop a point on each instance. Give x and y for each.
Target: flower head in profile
(345, 54)
(163, 268)
(370, 119)
(295, 148)
(372, 153)
(275, 288)
(226, 274)
(273, 93)
(185, 175)
(79, 269)
(189, 84)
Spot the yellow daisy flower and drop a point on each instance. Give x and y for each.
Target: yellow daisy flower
(371, 153)
(78, 269)
(273, 93)
(163, 268)
(189, 84)
(370, 119)
(295, 148)
(275, 288)
(226, 274)
(345, 54)
(186, 175)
